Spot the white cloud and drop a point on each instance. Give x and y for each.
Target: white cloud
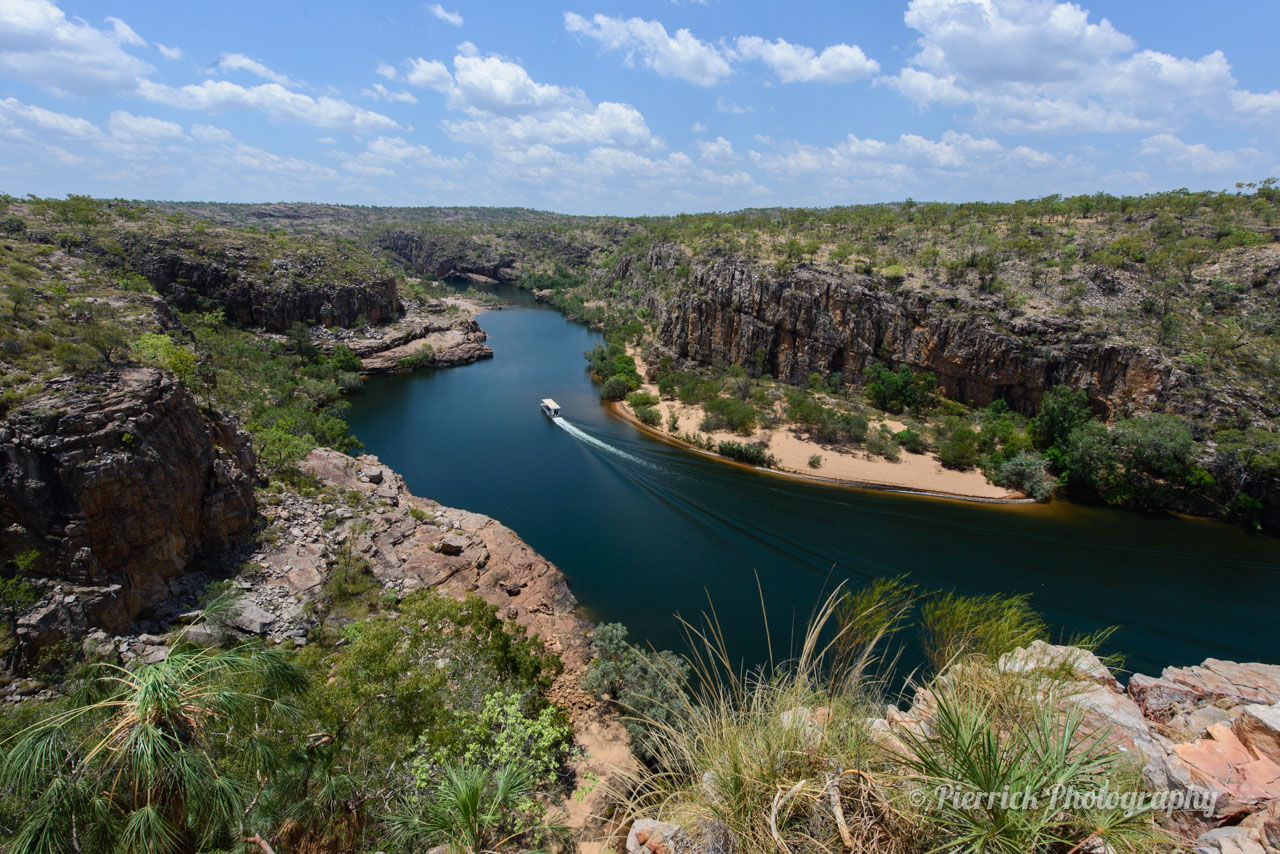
(682, 56)
(124, 34)
(382, 93)
(430, 74)
(169, 52)
(127, 126)
(388, 71)
(800, 64)
(271, 99)
(40, 45)
(617, 125)
(386, 155)
(501, 87)
(719, 151)
(448, 17)
(240, 62)
(724, 105)
(17, 120)
(1043, 66)
(699, 127)
(1171, 151)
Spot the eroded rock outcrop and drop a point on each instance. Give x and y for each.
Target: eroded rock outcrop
(427, 334)
(270, 290)
(815, 319)
(109, 485)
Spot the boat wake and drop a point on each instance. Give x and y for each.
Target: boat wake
(596, 443)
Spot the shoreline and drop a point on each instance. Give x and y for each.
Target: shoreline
(618, 409)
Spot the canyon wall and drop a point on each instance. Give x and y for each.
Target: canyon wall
(271, 294)
(109, 485)
(815, 320)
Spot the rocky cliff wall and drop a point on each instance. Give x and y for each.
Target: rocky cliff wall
(115, 482)
(271, 293)
(819, 320)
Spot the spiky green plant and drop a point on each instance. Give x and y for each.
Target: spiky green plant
(988, 784)
(157, 760)
(474, 810)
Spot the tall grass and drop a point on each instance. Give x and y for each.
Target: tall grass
(791, 757)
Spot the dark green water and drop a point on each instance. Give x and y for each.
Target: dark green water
(644, 530)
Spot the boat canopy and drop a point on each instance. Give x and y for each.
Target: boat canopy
(550, 406)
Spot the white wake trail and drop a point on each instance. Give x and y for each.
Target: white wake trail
(596, 443)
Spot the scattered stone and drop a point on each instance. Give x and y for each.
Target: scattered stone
(452, 545)
(253, 619)
(648, 836)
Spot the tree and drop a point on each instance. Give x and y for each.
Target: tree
(158, 350)
(615, 388)
(138, 762)
(1062, 410)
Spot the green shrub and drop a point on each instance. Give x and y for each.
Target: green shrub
(647, 415)
(615, 388)
(755, 455)
(647, 686)
(1028, 472)
(953, 626)
(912, 441)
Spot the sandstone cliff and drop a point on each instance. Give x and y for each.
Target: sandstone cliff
(113, 483)
(272, 290)
(813, 319)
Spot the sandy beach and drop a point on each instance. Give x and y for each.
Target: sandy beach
(921, 473)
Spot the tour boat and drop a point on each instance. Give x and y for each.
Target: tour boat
(550, 408)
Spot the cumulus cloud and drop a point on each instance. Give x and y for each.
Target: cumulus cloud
(799, 64)
(619, 125)
(443, 14)
(169, 52)
(240, 62)
(1044, 66)
(381, 93)
(682, 56)
(1168, 150)
(385, 156)
(270, 99)
(719, 151)
(40, 45)
(501, 87)
(429, 74)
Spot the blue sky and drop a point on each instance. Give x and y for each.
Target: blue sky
(653, 107)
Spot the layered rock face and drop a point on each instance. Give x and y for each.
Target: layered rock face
(447, 340)
(815, 320)
(271, 293)
(446, 256)
(113, 484)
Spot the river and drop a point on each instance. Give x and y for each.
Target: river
(644, 530)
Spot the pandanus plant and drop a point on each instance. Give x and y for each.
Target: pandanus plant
(161, 759)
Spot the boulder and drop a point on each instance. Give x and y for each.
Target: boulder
(1230, 840)
(1064, 661)
(253, 619)
(649, 836)
(1217, 682)
(453, 544)
(1258, 728)
(1222, 763)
